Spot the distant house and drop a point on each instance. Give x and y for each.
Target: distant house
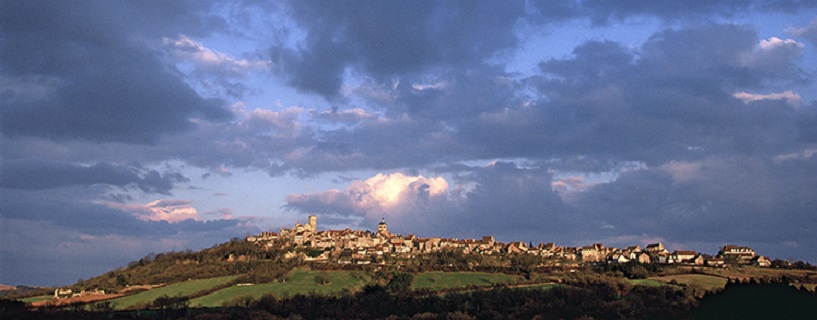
(618, 258)
(593, 253)
(736, 254)
(643, 258)
(655, 248)
(517, 247)
(487, 243)
(662, 258)
(715, 262)
(761, 261)
(680, 256)
(62, 293)
(632, 252)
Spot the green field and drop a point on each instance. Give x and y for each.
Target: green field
(37, 298)
(186, 288)
(699, 281)
(299, 282)
(647, 282)
(446, 280)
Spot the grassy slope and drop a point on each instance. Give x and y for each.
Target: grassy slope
(699, 281)
(299, 282)
(647, 282)
(37, 298)
(177, 289)
(446, 280)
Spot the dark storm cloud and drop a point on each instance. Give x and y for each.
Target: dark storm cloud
(672, 98)
(83, 71)
(604, 12)
(38, 174)
(717, 200)
(506, 196)
(675, 94)
(389, 40)
(807, 125)
(69, 209)
(392, 39)
(64, 210)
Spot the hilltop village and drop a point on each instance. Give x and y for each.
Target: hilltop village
(305, 242)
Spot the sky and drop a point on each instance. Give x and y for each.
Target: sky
(137, 127)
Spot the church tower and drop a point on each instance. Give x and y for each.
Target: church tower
(313, 223)
(383, 228)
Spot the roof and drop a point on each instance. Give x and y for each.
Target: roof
(686, 252)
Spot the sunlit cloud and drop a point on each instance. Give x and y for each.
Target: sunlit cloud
(187, 49)
(169, 210)
(791, 97)
(380, 194)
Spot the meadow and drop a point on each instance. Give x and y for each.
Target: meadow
(448, 280)
(183, 289)
(697, 281)
(647, 282)
(37, 298)
(299, 281)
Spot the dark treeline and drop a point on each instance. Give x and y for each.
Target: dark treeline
(758, 300)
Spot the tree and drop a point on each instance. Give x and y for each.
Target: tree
(400, 282)
(171, 307)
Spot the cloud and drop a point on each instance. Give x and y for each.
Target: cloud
(774, 58)
(63, 255)
(388, 194)
(38, 174)
(485, 200)
(350, 116)
(809, 32)
(210, 60)
(170, 210)
(101, 82)
(385, 40)
(213, 72)
(716, 200)
(791, 98)
(605, 12)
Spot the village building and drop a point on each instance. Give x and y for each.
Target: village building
(761, 261)
(715, 262)
(733, 254)
(383, 228)
(655, 249)
(681, 256)
(593, 253)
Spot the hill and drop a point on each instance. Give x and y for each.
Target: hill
(302, 261)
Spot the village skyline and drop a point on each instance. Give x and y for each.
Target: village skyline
(364, 247)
